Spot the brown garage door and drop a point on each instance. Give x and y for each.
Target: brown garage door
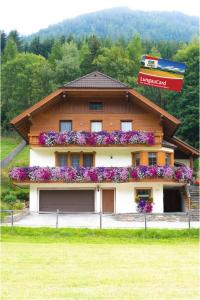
(67, 200)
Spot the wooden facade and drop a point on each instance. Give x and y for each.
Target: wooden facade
(119, 103)
(115, 110)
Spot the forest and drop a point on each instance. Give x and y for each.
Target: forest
(32, 70)
(124, 22)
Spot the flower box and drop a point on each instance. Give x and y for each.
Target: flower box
(100, 174)
(102, 138)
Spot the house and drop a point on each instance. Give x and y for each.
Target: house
(98, 145)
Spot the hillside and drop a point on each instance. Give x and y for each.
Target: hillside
(124, 22)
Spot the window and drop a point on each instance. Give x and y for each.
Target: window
(65, 126)
(143, 193)
(96, 106)
(126, 125)
(87, 160)
(62, 159)
(75, 160)
(167, 159)
(152, 158)
(96, 126)
(136, 159)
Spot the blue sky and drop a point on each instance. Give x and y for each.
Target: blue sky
(169, 65)
(28, 16)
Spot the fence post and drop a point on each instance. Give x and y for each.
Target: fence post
(100, 219)
(57, 213)
(145, 221)
(12, 218)
(189, 219)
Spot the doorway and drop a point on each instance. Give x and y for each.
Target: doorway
(172, 200)
(108, 198)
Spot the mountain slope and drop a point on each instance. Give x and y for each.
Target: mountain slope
(124, 22)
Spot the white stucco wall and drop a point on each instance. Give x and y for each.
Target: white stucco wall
(42, 158)
(107, 157)
(104, 157)
(124, 194)
(110, 156)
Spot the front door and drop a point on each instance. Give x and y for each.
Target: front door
(108, 200)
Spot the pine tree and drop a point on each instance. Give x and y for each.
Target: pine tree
(14, 35)
(10, 50)
(56, 52)
(3, 40)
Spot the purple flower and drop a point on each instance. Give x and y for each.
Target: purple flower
(148, 207)
(99, 174)
(42, 139)
(19, 173)
(96, 138)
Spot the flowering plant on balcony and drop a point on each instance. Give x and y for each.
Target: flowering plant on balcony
(96, 138)
(144, 205)
(99, 174)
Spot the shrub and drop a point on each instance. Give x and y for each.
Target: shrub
(22, 195)
(10, 198)
(18, 205)
(3, 194)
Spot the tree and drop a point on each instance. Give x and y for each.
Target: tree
(135, 50)
(94, 48)
(68, 68)
(10, 50)
(3, 41)
(25, 80)
(85, 58)
(36, 47)
(185, 105)
(114, 62)
(14, 35)
(56, 52)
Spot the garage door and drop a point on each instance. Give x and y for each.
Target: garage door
(67, 200)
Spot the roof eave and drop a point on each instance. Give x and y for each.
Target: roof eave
(194, 152)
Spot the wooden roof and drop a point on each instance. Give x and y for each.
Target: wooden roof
(184, 147)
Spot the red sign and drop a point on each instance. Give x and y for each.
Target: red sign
(161, 73)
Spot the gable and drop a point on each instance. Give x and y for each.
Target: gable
(76, 109)
(95, 86)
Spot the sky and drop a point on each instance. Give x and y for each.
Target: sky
(28, 16)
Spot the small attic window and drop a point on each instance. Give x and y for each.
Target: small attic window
(96, 106)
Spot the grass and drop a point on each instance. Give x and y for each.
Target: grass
(53, 235)
(8, 144)
(21, 159)
(84, 264)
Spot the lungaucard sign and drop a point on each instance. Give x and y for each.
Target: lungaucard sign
(161, 73)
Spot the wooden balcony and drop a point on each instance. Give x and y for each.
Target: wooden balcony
(34, 142)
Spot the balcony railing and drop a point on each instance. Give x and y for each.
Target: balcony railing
(100, 174)
(95, 139)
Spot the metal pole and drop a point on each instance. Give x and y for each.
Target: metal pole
(145, 221)
(12, 218)
(100, 219)
(57, 213)
(189, 219)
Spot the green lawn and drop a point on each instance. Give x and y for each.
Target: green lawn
(8, 144)
(21, 159)
(92, 264)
